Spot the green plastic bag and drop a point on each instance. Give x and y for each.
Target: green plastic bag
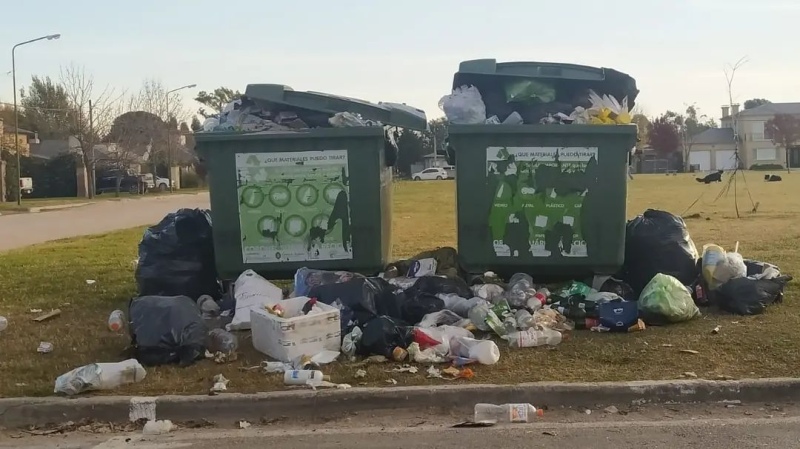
(666, 300)
(529, 91)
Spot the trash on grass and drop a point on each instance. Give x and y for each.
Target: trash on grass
(244, 425)
(312, 378)
(691, 374)
(51, 314)
(666, 300)
(100, 376)
(3, 323)
(506, 413)
(406, 369)
(391, 381)
(715, 330)
(434, 373)
(116, 321)
(252, 292)
(276, 367)
(220, 384)
(45, 347)
(689, 351)
(90, 282)
(160, 427)
(36, 311)
(167, 330)
(360, 374)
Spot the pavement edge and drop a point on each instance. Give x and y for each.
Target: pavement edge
(322, 405)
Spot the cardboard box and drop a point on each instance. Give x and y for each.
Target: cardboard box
(286, 339)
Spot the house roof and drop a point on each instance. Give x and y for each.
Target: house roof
(714, 135)
(772, 109)
(10, 129)
(48, 149)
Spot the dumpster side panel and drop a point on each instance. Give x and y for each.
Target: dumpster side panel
(548, 204)
(281, 203)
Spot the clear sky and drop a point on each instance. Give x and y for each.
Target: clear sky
(407, 51)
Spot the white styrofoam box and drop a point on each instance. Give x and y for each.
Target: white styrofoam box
(286, 339)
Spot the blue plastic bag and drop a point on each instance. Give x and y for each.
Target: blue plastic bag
(618, 315)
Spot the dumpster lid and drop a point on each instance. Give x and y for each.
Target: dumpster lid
(391, 114)
(617, 83)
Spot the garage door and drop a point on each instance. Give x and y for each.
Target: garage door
(701, 158)
(725, 160)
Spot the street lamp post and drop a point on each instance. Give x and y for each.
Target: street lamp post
(16, 112)
(169, 134)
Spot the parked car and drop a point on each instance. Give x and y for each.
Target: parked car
(130, 182)
(26, 185)
(430, 174)
(157, 183)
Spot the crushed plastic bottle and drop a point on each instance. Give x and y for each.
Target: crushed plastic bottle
(116, 321)
(478, 314)
(524, 319)
(506, 413)
(222, 341)
(100, 376)
(530, 338)
(520, 289)
(3, 323)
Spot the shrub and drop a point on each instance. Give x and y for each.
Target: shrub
(766, 167)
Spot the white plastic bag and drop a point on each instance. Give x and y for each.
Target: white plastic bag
(100, 376)
(464, 106)
(252, 291)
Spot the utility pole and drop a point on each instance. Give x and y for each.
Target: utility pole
(91, 140)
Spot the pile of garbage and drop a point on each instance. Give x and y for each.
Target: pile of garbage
(424, 310)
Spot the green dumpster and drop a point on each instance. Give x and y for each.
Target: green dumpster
(316, 197)
(548, 200)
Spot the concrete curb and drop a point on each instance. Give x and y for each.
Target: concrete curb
(321, 405)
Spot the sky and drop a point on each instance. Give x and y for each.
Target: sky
(407, 51)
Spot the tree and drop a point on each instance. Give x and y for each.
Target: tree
(755, 102)
(438, 133)
(784, 130)
(154, 99)
(665, 135)
(47, 109)
(216, 100)
(642, 130)
(411, 148)
(196, 125)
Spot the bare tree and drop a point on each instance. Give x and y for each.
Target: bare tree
(153, 98)
(730, 74)
(96, 110)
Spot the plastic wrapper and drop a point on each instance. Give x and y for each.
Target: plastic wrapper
(484, 352)
(252, 292)
(658, 242)
(402, 282)
(606, 110)
(443, 317)
(719, 267)
(529, 91)
(489, 292)
(750, 295)
(350, 120)
(176, 257)
(307, 278)
(166, 330)
(350, 342)
(210, 124)
(464, 106)
(666, 300)
(99, 376)
(458, 305)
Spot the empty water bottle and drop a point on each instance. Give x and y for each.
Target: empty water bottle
(520, 289)
(532, 337)
(506, 413)
(116, 321)
(3, 323)
(477, 315)
(222, 341)
(524, 319)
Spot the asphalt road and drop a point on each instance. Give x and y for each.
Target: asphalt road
(20, 230)
(675, 427)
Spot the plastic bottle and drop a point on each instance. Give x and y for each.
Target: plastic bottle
(3, 323)
(542, 295)
(459, 305)
(116, 321)
(524, 319)
(313, 378)
(510, 324)
(506, 413)
(530, 338)
(477, 315)
(100, 376)
(208, 306)
(485, 352)
(520, 289)
(222, 341)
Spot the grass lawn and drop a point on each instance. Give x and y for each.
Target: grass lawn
(28, 203)
(54, 275)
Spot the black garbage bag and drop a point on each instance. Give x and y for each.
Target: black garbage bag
(414, 308)
(176, 257)
(382, 334)
(435, 285)
(750, 296)
(166, 330)
(359, 300)
(619, 288)
(658, 242)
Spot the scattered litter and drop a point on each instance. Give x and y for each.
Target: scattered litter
(550, 433)
(48, 315)
(327, 384)
(690, 374)
(667, 345)
(90, 282)
(276, 367)
(36, 310)
(391, 381)
(456, 373)
(100, 376)
(116, 321)
(731, 402)
(244, 425)
(689, 351)
(360, 374)
(45, 347)
(611, 409)
(312, 378)
(406, 369)
(3, 323)
(373, 359)
(587, 411)
(473, 424)
(21, 384)
(160, 427)
(715, 330)
(434, 373)
(220, 384)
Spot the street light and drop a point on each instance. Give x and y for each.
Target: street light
(49, 37)
(169, 133)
